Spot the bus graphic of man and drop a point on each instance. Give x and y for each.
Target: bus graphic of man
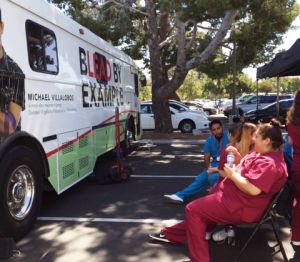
(11, 91)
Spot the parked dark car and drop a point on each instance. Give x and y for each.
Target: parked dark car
(268, 112)
(251, 102)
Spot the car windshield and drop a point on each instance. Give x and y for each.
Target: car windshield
(248, 98)
(178, 108)
(244, 98)
(179, 104)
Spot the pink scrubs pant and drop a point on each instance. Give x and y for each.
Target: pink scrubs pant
(201, 215)
(296, 207)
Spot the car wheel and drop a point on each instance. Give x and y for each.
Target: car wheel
(187, 126)
(21, 188)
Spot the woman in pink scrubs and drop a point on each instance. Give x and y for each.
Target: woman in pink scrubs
(242, 196)
(243, 145)
(293, 127)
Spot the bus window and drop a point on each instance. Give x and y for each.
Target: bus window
(42, 48)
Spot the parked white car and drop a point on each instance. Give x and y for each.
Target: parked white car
(183, 118)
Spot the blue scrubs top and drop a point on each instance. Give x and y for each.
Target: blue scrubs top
(287, 153)
(214, 147)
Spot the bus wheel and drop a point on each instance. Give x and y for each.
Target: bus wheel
(129, 138)
(21, 187)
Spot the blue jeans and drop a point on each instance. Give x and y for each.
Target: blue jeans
(202, 182)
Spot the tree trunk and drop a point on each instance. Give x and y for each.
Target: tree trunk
(162, 114)
(162, 87)
(160, 107)
(174, 96)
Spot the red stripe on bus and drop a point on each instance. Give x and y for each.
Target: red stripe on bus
(50, 153)
(114, 116)
(68, 144)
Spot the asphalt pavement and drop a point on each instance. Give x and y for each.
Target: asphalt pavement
(111, 223)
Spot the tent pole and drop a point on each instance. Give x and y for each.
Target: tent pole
(234, 107)
(277, 104)
(257, 99)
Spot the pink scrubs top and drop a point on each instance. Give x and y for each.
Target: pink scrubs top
(294, 133)
(223, 159)
(267, 172)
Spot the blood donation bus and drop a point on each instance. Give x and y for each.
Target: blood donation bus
(70, 82)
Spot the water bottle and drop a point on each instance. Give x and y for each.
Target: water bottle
(230, 159)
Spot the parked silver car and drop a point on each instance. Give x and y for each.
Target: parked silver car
(209, 110)
(251, 102)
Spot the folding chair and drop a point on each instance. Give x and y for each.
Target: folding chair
(269, 215)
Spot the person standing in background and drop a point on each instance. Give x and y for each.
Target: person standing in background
(293, 128)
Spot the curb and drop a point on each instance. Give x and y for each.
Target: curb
(172, 141)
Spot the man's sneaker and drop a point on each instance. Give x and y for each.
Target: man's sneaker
(174, 199)
(159, 237)
(208, 235)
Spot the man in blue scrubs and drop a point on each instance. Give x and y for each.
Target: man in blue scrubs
(213, 147)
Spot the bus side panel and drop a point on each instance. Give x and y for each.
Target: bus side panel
(68, 159)
(61, 109)
(86, 158)
(100, 141)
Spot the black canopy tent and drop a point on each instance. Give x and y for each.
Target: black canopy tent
(285, 63)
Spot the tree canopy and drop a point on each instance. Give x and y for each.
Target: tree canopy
(174, 37)
(288, 85)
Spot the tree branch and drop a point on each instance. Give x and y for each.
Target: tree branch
(216, 41)
(153, 44)
(192, 41)
(163, 19)
(123, 6)
(180, 69)
(207, 28)
(166, 41)
(180, 36)
(227, 46)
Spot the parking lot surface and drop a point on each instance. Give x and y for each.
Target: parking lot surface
(111, 223)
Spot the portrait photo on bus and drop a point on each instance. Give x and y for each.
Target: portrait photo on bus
(12, 92)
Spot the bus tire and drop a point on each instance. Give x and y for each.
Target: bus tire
(129, 138)
(21, 188)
